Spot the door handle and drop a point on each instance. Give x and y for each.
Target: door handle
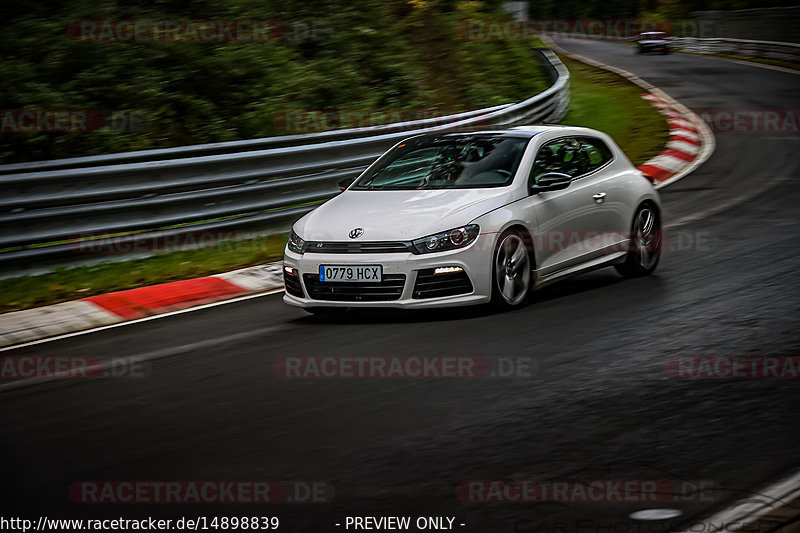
(599, 197)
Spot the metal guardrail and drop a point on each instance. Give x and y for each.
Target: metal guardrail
(50, 210)
(741, 47)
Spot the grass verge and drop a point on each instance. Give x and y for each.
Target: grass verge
(74, 283)
(607, 102)
(598, 99)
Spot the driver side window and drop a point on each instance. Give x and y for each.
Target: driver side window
(565, 156)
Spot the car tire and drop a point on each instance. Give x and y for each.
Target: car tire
(512, 271)
(645, 245)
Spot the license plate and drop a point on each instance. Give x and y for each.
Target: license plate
(361, 274)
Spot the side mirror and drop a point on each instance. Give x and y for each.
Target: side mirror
(345, 183)
(552, 181)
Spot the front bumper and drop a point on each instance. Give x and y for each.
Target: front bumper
(474, 259)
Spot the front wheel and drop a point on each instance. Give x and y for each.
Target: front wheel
(645, 244)
(511, 268)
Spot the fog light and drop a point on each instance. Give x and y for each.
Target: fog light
(289, 270)
(448, 270)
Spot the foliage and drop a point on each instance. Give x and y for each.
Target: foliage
(335, 55)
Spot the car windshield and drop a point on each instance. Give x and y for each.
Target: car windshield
(653, 36)
(463, 162)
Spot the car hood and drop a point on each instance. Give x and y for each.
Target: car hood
(653, 41)
(398, 215)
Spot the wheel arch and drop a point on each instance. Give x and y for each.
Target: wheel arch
(648, 202)
(645, 201)
(527, 238)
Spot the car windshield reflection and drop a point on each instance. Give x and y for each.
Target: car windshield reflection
(464, 162)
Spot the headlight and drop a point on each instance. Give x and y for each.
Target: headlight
(296, 244)
(447, 240)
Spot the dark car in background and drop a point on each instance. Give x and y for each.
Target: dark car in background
(652, 41)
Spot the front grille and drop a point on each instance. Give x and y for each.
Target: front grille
(358, 247)
(390, 288)
(292, 284)
(430, 285)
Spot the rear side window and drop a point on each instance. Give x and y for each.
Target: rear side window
(562, 155)
(575, 157)
(597, 153)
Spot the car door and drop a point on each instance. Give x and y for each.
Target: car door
(612, 194)
(572, 221)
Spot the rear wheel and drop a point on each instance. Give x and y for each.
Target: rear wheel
(511, 268)
(645, 244)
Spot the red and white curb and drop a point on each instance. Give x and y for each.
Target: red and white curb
(683, 147)
(30, 325)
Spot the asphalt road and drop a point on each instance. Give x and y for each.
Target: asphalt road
(598, 403)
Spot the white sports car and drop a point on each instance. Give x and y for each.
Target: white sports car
(469, 218)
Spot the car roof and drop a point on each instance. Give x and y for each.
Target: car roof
(455, 135)
(523, 132)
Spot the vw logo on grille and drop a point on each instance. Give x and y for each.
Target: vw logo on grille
(356, 233)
